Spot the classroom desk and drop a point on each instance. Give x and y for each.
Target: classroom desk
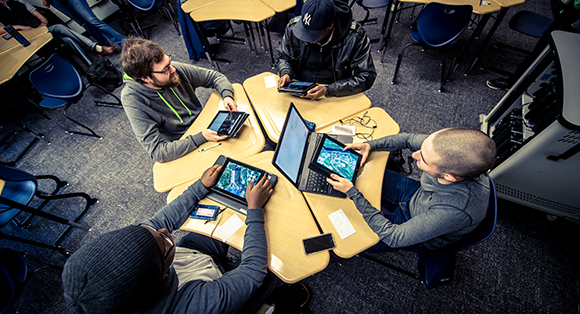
(369, 182)
(13, 55)
(248, 142)
(271, 107)
(288, 221)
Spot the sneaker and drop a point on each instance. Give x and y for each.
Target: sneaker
(500, 83)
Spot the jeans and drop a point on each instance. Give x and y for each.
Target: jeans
(397, 192)
(73, 40)
(80, 12)
(218, 252)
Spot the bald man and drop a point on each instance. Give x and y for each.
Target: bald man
(449, 201)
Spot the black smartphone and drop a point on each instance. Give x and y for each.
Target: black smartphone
(318, 243)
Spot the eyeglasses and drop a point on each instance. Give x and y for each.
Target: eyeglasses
(166, 69)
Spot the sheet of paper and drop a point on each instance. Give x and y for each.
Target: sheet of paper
(243, 108)
(343, 130)
(342, 224)
(230, 227)
(270, 81)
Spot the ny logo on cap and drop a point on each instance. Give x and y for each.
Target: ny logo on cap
(306, 19)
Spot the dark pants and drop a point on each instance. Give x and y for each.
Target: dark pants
(218, 252)
(397, 192)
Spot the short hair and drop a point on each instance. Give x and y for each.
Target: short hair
(464, 152)
(139, 55)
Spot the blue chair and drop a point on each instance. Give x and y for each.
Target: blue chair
(437, 26)
(19, 189)
(62, 85)
(528, 23)
(371, 4)
(145, 7)
(13, 277)
(485, 229)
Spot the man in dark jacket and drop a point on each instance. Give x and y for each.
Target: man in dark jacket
(326, 46)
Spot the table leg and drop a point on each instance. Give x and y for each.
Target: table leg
(267, 25)
(205, 45)
(487, 39)
(384, 28)
(475, 34)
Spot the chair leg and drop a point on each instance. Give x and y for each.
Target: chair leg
(168, 15)
(36, 243)
(391, 266)
(93, 134)
(399, 60)
(103, 103)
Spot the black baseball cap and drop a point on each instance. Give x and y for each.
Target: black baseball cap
(317, 15)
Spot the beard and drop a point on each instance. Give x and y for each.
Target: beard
(172, 81)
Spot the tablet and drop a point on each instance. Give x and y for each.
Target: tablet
(228, 122)
(235, 177)
(331, 158)
(297, 88)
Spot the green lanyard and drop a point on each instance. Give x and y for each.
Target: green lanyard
(171, 107)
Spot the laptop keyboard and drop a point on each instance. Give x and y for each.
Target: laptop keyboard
(317, 183)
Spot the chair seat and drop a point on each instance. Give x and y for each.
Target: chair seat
(373, 4)
(20, 192)
(51, 103)
(450, 22)
(530, 23)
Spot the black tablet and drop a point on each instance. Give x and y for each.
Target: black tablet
(331, 158)
(235, 177)
(228, 122)
(297, 88)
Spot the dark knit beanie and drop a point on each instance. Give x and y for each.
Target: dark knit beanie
(115, 272)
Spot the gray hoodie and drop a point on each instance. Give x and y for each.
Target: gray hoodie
(158, 125)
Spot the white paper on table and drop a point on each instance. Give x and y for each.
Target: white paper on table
(221, 106)
(230, 227)
(270, 81)
(341, 223)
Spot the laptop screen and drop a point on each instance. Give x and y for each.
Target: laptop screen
(291, 145)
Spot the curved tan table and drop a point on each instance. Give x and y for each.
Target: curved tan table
(369, 182)
(248, 142)
(13, 55)
(246, 10)
(271, 107)
(288, 221)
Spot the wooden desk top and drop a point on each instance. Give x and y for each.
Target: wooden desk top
(509, 3)
(477, 9)
(191, 5)
(280, 5)
(271, 107)
(369, 182)
(248, 142)
(288, 221)
(246, 10)
(13, 55)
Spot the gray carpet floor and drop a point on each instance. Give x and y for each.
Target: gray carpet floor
(529, 265)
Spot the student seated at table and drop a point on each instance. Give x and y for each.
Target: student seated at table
(160, 102)
(22, 16)
(325, 45)
(450, 200)
(139, 269)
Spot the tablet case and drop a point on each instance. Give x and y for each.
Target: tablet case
(233, 131)
(297, 88)
(325, 171)
(224, 199)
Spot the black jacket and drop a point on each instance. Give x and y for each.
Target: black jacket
(345, 62)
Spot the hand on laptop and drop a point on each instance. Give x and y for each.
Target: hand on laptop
(284, 80)
(230, 104)
(339, 183)
(363, 148)
(212, 136)
(209, 176)
(258, 194)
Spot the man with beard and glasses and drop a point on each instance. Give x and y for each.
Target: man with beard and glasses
(160, 102)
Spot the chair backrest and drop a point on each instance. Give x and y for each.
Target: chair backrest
(19, 186)
(373, 4)
(57, 78)
(441, 24)
(145, 5)
(485, 228)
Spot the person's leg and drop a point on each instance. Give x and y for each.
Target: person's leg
(214, 248)
(84, 11)
(63, 31)
(270, 283)
(71, 43)
(65, 9)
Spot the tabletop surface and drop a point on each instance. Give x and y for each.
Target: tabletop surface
(246, 10)
(369, 182)
(276, 5)
(13, 55)
(486, 7)
(248, 142)
(288, 221)
(271, 107)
